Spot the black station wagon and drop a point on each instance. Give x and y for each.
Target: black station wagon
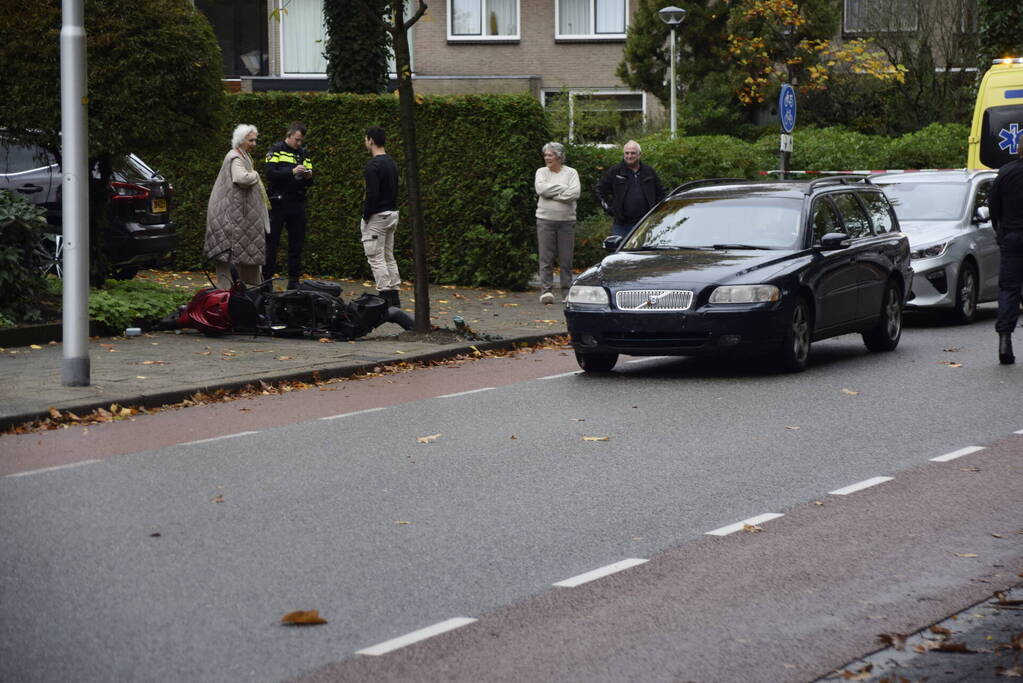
(734, 265)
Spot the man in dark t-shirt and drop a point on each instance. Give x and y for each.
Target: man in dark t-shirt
(380, 216)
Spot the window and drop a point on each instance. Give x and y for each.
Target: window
(872, 16)
(825, 220)
(593, 115)
(302, 37)
(879, 212)
(483, 20)
(857, 224)
(18, 158)
(240, 27)
(983, 193)
(591, 19)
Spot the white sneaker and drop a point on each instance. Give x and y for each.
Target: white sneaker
(547, 298)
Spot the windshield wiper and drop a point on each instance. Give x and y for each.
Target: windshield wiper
(738, 246)
(673, 247)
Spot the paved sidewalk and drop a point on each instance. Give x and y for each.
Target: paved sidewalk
(165, 367)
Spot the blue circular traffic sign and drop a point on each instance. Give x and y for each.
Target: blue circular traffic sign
(787, 108)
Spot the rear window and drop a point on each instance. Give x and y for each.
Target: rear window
(998, 135)
(132, 169)
(757, 221)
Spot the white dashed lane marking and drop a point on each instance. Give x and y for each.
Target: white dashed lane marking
(416, 636)
(357, 412)
(957, 454)
(563, 374)
(859, 486)
(52, 469)
(217, 438)
(600, 573)
(739, 526)
(463, 393)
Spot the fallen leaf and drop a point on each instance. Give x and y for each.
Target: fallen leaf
(427, 439)
(926, 645)
(896, 640)
(596, 438)
(35, 346)
(155, 534)
(940, 631)
(792, 427)
(401, 521)
(955, 647)
(217, 499)
(965, 554)
(997, 536)
(850, 392)
(54, 413)
(514, 437)
(817, 502)
(303, 618)
(861, 675)
(141, 377)
(1012, 672)
(285, 358)
(952, 349)
(752, 528)
(578, 419)
(951, 364)
(325, 340)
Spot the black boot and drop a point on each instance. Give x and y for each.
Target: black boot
(1005, 356)
(391, 297)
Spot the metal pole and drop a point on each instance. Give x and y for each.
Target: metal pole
(75, 195)
(674, 123)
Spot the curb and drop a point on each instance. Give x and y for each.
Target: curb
(168, 397)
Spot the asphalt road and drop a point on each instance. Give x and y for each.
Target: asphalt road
(155, 553)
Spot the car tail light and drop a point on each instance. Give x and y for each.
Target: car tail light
(128, 191)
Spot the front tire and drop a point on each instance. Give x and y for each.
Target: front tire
(886, 334)
(966, 295)
(795, 349)
(596, 362)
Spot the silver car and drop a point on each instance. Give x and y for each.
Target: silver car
(954, 251)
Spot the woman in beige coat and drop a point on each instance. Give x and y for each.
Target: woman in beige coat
(237, 218)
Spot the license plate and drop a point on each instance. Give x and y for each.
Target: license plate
(159, 205)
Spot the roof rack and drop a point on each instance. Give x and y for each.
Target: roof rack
(692, 184)
(848, 179)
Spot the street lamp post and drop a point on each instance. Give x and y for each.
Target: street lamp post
(672, 16)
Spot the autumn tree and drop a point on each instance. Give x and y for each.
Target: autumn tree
(357, 46)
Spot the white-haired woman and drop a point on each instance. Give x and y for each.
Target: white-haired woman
(557, 187)
(237, 218)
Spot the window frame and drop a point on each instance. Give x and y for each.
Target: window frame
(592, 36)
(574, 92)
(482, 38)
(282, 46)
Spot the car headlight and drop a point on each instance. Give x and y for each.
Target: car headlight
(745, 294)
(582, 294)
(933, 251)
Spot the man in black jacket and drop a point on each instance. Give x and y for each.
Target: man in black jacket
(1006, 204)
(289, 173)
(628, 190)
(380, 216)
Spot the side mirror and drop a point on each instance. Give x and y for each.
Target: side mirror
(982, 214)
(612, 242)
(834, 240)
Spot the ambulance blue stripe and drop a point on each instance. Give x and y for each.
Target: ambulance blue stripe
(1013, 94)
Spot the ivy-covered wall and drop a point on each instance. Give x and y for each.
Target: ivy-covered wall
(477, 156)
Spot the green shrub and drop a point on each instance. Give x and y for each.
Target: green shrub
(477, 155)
(133, 303)
(589, 240)
(21, 284)
(830, 149)
(939, 145)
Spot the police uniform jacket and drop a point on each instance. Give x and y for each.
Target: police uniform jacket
(282, 183)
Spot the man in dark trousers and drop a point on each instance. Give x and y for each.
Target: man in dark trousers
(628, 190)
(289, 173)
(380, 216)
(1006, 204)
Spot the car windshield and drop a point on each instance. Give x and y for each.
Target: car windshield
(927, 201)
(724, 222)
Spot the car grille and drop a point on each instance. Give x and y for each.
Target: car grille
(654, 300)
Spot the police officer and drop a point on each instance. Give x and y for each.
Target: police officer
(289, 173)
(1006, 204)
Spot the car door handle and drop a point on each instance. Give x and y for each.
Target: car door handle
(30, 189)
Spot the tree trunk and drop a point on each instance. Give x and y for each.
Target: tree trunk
(406, 108)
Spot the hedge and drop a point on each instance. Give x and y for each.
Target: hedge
(477, 156)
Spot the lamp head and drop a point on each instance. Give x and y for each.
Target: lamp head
(672, 16)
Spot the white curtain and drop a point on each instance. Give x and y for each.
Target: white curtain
(574, 17)
(466, 19)
(303, 37)
(610, 16)
(501, 18)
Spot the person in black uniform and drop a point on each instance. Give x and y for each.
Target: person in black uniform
(289, 173)
(380, 216)
(1006, 204)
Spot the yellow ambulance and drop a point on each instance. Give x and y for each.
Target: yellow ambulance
(995, 136)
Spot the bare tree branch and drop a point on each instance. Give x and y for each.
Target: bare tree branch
(415, 17)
